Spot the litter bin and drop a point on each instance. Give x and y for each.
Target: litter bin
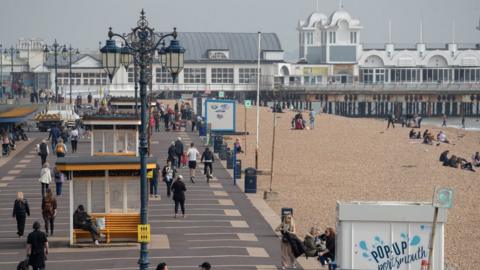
(229, 159)
(250, 180)
(217, 143)
(223, 152)
(286, 211)
(238, 169)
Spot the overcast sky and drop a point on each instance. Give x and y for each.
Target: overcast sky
(83, 23)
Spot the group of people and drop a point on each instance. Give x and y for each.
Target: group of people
(299, 123)
(315, 244)
(174, 118)
(428, 137)
(459, 162)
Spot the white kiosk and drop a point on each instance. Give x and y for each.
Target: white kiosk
(388, 235)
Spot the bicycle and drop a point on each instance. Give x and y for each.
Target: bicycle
(208, 172)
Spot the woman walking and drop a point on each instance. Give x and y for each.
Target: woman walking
(168, 174)
(74, 136)
(49, 210)
(43, 151)
(178, 189)
(59, 180)
(45, 177)
(20, 212)
(5, 143)
(287, 228)
(60, 148)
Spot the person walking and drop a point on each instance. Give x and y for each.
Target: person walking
(37, 247)
(53, 136)
(287, 228)
(312, 118)
(178, 189)
(45, 177)
(444, 120)
(83, 221)
(168, 174)
(156, 117)
(207, 159)
(172, 155)
(162, 266)
(74, 136)
(463, 122)
(20, 212)
(43, 151)
(154, 181)
(60, 148)
(391, 120)
(49, 210)
(192, 154)
(179, 150)
(59, 180)
(5, 143)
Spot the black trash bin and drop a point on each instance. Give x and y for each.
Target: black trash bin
(217, 143)
(238, 169)
(229, 159)
(286, 211)
(250, 180)
(223, 152)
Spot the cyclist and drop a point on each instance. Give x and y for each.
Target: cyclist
(207, 159)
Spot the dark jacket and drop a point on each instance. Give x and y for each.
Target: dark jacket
(207, 155)
(20, 208)
(178, 189)
(443, 156)
(54, 134)
(49, 208)
(43, 149)
(81, 219)
(331, 248)
(171, 152)
(178, 147)
(297, 246)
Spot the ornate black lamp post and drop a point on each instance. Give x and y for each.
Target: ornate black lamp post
(55, 49)
(142, 43)
(69, 52)
(12, 52)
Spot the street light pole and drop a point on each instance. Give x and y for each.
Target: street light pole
(55, 48)
(12, 52)
(1, 71)
(141, 45)
(70, 51)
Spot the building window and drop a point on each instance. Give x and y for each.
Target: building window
(85, 81)
(130, 75)
(163, 76)
(324, 37)
(218, 55)
(78, 81)
(353, 37)
(222, 75)
(333, 37)
(195, 75)
(247, 75)
(309, 37)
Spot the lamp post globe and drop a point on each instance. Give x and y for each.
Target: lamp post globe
(126, 57)
(111, 56)
(174, 58)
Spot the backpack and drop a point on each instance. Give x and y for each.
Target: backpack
(60, 149)
(48, 209)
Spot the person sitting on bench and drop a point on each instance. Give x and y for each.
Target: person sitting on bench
(83, 221)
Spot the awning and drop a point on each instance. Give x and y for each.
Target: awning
(101, 163)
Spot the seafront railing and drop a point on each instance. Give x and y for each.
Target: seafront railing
(390, 87)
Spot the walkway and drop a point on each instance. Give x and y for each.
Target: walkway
(222, 226)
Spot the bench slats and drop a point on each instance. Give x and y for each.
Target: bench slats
(119, 225)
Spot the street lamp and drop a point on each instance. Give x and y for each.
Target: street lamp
(69, 52)
(142, 43)
(12, 52)
(55, 49)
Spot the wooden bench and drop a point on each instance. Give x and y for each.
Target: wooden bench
(117, 225)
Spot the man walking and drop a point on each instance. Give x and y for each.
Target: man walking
(168, 174)
(179, 150)
(54, 135)
(391, 120)
(444, 121)
(192, 154)
(37, 247)
(43, 151)
(172, 155)
(312, 118)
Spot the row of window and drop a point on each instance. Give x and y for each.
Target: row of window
(199, 75)
(332, 37)
(410, 75)
(79, 78)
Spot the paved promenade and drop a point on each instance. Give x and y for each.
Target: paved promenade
(222, 226)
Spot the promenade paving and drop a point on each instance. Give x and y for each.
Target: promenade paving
(222, 226)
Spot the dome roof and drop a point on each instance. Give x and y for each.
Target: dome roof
(339, 15)
(314, 18)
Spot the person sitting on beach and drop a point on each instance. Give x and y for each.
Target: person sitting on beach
(412, 134)
(464, 164)
(442, 137)
(476, 159)
(425, 133)
(419, 134)
(444, 156)
(428, 138)
(453, 162)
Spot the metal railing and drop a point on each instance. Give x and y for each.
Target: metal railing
(361, 87)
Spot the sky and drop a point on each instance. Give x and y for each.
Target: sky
(83, 23)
